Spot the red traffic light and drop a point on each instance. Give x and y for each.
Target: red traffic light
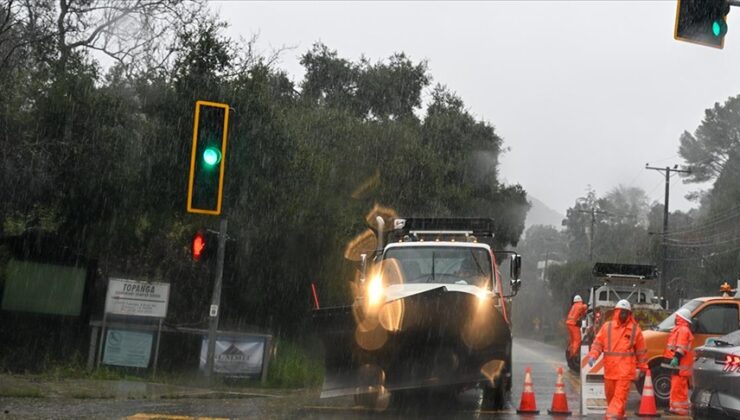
(198, 246)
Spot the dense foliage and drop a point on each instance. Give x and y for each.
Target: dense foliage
(99, 158)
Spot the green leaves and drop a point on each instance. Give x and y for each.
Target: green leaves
(112, 162)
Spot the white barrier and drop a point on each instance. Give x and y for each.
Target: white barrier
(593, 397)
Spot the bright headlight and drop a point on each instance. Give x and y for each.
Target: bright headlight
(375, 290)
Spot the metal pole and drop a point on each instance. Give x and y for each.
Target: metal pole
(156, 349)
(215, 312)
(91, 351)
(102, 339)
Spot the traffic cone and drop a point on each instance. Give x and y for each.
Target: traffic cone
(559, 405)
(647, 403)
(528, 405)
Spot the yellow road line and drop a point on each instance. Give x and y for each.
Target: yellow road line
(158, 416)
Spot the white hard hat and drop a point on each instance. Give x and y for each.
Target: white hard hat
(577, 298)
(685, 314)
(624, 304)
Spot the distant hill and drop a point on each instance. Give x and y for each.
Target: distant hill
(540, 214)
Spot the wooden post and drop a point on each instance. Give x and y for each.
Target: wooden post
(91, 351)
(156, 348)
(266, 357)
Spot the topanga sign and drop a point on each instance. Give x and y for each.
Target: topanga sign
(137, 298)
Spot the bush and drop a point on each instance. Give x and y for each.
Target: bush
(292, 366)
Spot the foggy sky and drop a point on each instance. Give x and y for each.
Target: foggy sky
(582, 92)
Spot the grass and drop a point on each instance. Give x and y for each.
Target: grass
(293, 367)
(83, 395)
(22, 393)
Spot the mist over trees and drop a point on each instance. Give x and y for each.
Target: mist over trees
(703, 243)
(96, 162)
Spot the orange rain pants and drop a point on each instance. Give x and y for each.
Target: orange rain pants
(617, 391)
(680, 343)
(576, 312)
(575, 340)
(680, 395)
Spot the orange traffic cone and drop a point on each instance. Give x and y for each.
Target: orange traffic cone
(528, 405)
(559, 400)
(647, 403)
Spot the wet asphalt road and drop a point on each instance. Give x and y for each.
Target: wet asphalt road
(543, 358)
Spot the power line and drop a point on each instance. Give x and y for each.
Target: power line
(705, 225)
(702, 245)
(701, 257)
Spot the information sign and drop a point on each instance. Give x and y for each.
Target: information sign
(137, 298)
(128, 348)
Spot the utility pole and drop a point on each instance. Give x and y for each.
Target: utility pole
(593, 212)
(215, 312)
(664, 242)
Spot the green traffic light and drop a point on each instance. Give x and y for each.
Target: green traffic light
(211, 156)
(719, 28)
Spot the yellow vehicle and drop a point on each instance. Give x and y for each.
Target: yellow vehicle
(712, 316)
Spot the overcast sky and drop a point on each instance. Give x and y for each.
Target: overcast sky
(582, 92)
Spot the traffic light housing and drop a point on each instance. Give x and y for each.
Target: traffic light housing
(208, 157)
(702, 22)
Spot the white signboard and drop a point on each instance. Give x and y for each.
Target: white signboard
(235, 356)
(137, 298)
(593, 396)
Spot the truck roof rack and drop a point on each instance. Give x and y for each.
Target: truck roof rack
(625, 271)
(479, 227)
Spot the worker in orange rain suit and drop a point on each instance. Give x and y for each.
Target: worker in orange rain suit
(678, 349)
(624, 351)
(573, 323)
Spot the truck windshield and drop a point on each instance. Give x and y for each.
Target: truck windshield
(670, 322)
(438, 264)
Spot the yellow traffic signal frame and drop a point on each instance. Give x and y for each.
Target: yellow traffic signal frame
(695, 41)
(224, 141)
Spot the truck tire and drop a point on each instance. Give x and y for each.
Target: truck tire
(661, 382)
(494, 397)
(574, 363)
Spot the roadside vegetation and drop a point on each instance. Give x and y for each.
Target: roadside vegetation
(95, 159)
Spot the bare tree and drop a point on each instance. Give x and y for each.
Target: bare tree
(138, 34)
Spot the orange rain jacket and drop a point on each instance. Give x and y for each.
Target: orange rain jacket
(576, 313)
(679, 343)
(623, 347)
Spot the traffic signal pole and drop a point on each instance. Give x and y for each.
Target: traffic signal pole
(215, 311)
